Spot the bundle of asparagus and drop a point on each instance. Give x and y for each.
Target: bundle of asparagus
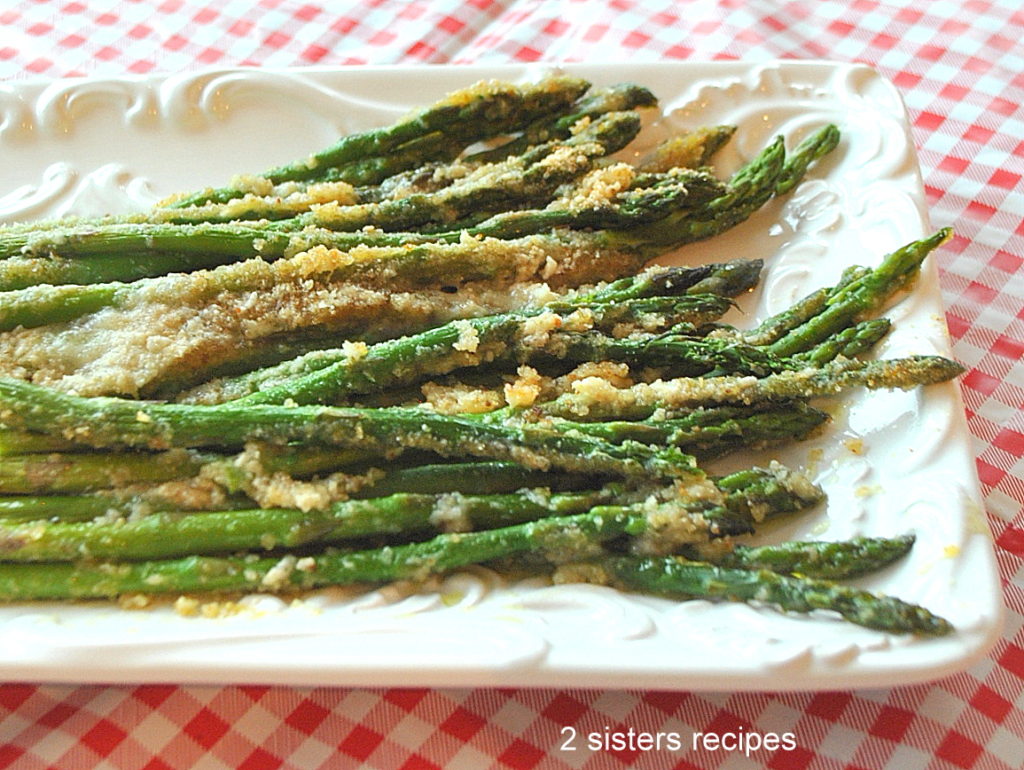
(229, 286)
(559, 417)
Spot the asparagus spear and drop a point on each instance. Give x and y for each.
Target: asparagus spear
(642, 400)
(565, 536)
(749, 189)
(333, 310)
(258, 198)
(777, 326)
(48, 304)
(525, 179)
(471, 478)
(847, 343)
(769, 492)
(817, 329)
(813, 558)
(135, 234)
(14, 442)
(481, 111)
(70, 472)
(444, 145)
(680, 192)
(678, 578)
(729, 279)
(750, 495)
(114, 505)
(369, 173)
(113, 422)
(165, 535)
(327, 376)
(766, 175)
(863, 295)
(128, 251)
(708, 431)
(705, 285)
(84, 246)
(726, 279)
(616, 98)
(27, 582)
(509, 339)
(672, 523)
(681, 354)
(24, 508)
(816, 146)
(415, 561)
(22, 272)
(83, 472)
(690, 149)
(499, 262)
(155, 247)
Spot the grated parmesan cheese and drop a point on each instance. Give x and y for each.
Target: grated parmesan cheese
(277, 577)
(593, 574)
(525, 389)
(468, 340)
(461, 399)
(354, 350)
(450, 514)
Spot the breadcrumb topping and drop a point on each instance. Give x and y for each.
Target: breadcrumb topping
(460, 398)
(450, 514)
(599, 188)
(278, 576)
(164, 330)
(354, 350)
(469, 339)
(525, 389)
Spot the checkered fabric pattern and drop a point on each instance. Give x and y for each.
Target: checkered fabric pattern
(959, 65)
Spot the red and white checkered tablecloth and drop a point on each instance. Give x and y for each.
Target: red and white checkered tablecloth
(960, 67)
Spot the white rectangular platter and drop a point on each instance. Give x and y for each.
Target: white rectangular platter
(891, 463)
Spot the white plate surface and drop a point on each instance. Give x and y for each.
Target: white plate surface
(891, 463)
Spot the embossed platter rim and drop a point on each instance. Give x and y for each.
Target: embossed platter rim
(891, 462)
